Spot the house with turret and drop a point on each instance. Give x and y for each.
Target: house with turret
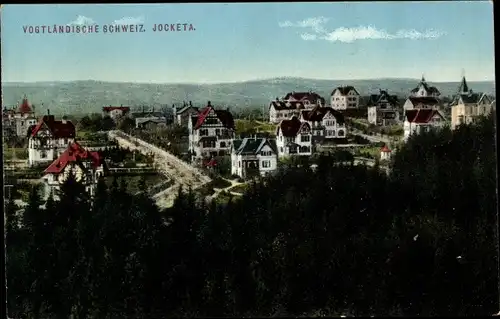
(16, 121)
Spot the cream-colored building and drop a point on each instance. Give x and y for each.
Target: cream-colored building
(468, 106)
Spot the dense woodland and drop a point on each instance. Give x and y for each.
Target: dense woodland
(341, 240)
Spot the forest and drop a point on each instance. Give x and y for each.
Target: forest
(339, 240)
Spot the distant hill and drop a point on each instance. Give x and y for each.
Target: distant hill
(81, 97)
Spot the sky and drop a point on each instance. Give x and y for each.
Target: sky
(248, 41)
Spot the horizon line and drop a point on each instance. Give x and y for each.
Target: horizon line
(238, 82)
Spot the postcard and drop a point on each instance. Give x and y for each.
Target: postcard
(250, 159)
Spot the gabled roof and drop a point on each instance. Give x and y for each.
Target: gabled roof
(375, 99)
(421, 116)
(473, 98)
(424, 100)
(385, 149)
(142, 120)
(318, 113)
(287, 105)
(427, 87)
(75, 153)
(252, 146)
(24, 107)
(223, 115)
(112, 108)
(312, 97)
(59, 129)
(291, 127)
(185, 108)
(344, 90)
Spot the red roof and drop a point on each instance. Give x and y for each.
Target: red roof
(421, 116)
(59, 129)
(290, 128)
(224, 116)
(385, 149)
(24, 107)
(111, 108)
(74, 153)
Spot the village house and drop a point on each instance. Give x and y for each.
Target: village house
(468, 106)
(16, 122)
(294, 137)
(422, 120)
(211, 133)
(383, 109)
(309, 99)
(182, 115)
(86, 166)
(48, 139)
(284, 110)
(423, 89)
(253, 157)
(325, 123)
(150, 123)
(385, 153)
(115, 112)
(344, 97)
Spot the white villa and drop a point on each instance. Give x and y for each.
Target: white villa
(294, 137)
(253, 156)
(383, 109)
(211, 133)
(422, 120)
(86, 166)
(48, 139)
(116, 112)
(325, 123)
(182, 115)
(284, 110)
(344, 97)
(425, 102)
(309, 99)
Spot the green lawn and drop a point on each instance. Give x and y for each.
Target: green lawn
(252, 126)
(242, 188)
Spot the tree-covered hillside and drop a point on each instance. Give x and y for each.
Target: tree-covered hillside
(340, 240)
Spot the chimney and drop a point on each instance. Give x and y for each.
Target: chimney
(48, 112)
(121, 105)
(277, 99)
(190, 104)
(209, 104)
(64, 119)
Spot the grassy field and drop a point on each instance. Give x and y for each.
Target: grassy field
(252, 126)
(242, 188)
(10, 153)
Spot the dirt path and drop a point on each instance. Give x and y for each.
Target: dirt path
(181, 173)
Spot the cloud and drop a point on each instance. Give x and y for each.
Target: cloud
(348, 35)
(82, 20)
(129, 20)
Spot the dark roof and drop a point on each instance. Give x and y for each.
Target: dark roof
(251, 146)
(344, 90)
(427, 87)
(424, 100)
(355, 112)
(59, 129)
(291, 127)
(375, 99)
(112, 108)
(287, 105)
(312, 97)
(463, 88)
(318, 113)
(421, 116)
(223, 115)
(73, 154)
(471, 98)
(185, 108)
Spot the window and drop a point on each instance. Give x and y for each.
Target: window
(281, 149)
(203, 132)
(305, 138)
(266, 164)
(222, 144)
(43, 154)
(217, 132)
(341, 133)
(266, 153)
(22, 123)
(207, 144)
(304, 149)
(239, 163)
